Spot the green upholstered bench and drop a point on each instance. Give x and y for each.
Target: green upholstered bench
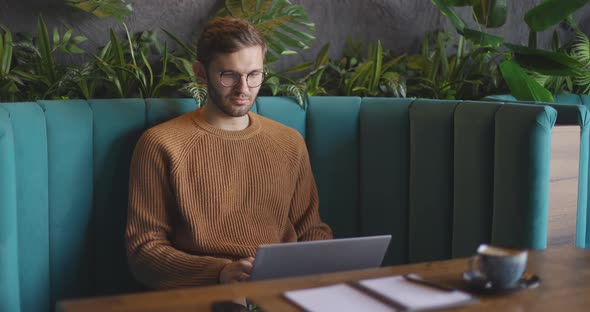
(572, 110)
(440, 176)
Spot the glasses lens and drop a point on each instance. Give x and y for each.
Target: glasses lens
(229, 79)
(255, 79)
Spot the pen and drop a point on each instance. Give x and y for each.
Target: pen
(418, 280)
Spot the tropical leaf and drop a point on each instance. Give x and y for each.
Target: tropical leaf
(5, 50)
(455, 20)
(581, 52)
(44, 47)
(188, 51)
(457, 3)
(285, 26)
(544, 62)
(482, 38)
(551, 12)
(522, 86)
(581, 48)
(490, 13)
(196, 90)
(103, 8)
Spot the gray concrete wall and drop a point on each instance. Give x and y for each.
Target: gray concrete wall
(399, 24)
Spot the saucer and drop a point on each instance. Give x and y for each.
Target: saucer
(479, 284)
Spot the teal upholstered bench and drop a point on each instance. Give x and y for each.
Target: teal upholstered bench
(573, 110)
(440, 176)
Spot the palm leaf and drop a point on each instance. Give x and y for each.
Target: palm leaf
(103, 8)
(581, 48)
(285, 26)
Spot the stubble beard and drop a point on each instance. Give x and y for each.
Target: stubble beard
(225, 106)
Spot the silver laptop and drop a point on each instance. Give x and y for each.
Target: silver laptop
(315, 257)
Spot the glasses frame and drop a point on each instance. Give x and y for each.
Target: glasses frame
(221, 73)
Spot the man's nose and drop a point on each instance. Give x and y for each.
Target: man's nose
(242, 85)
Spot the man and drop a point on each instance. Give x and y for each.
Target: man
(208, 187)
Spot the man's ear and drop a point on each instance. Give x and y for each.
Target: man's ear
(199, 70)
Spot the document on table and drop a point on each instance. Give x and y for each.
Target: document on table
(392, 293)
(340, 297)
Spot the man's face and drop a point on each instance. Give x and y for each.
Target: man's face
(234, 101)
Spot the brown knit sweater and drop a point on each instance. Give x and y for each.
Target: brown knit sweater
(201, 197)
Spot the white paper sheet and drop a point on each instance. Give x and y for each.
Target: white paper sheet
(340, 297)
(413, 295)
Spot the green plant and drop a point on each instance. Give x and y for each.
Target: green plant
(580, 51)
(522, 62)
(103, 8)
(182, 63)
(127, 71)
(309, 85)
(470, 73)
(9, 81)
(41, 76)
(283, 24)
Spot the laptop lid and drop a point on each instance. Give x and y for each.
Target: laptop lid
(315, 257)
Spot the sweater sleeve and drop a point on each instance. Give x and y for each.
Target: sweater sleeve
(304, 213)
(152, 258)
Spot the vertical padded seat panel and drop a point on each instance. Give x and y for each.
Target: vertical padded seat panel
(117, 127)
(9, 268)
(333, 144)
(568, 114)
(431, 180)
(30, 146)
(284, 110)
(384, 172)
(160, 110)
(521, 175)
(473, 167)
(70, 159)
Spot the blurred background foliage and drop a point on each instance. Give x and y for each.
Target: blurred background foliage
(465, 63)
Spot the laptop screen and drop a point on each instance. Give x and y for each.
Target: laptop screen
(316, 257)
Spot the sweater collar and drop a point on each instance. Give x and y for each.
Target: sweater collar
(252, 128)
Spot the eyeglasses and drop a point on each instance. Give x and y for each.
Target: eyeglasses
(231, 78)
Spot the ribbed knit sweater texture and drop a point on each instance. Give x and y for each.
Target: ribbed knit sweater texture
(201, 197)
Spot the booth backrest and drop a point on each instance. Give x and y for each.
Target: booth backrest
(440, 176)
(572, 109)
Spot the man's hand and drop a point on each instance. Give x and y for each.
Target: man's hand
(237, 271)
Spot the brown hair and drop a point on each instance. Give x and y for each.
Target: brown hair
(227, 35)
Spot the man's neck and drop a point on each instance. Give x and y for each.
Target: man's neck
(218, 119)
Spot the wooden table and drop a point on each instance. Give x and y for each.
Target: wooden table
(564, 271)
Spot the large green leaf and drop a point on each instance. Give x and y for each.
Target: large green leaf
(491, 13)
(545, 62)
(457, 2)
(44, 47)
(482, 39)
(5, 50)
(103, 8)
(188, 51)
(284, 25)
(455, 20)
(551, 12)
(523, 87)
(376, 56)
